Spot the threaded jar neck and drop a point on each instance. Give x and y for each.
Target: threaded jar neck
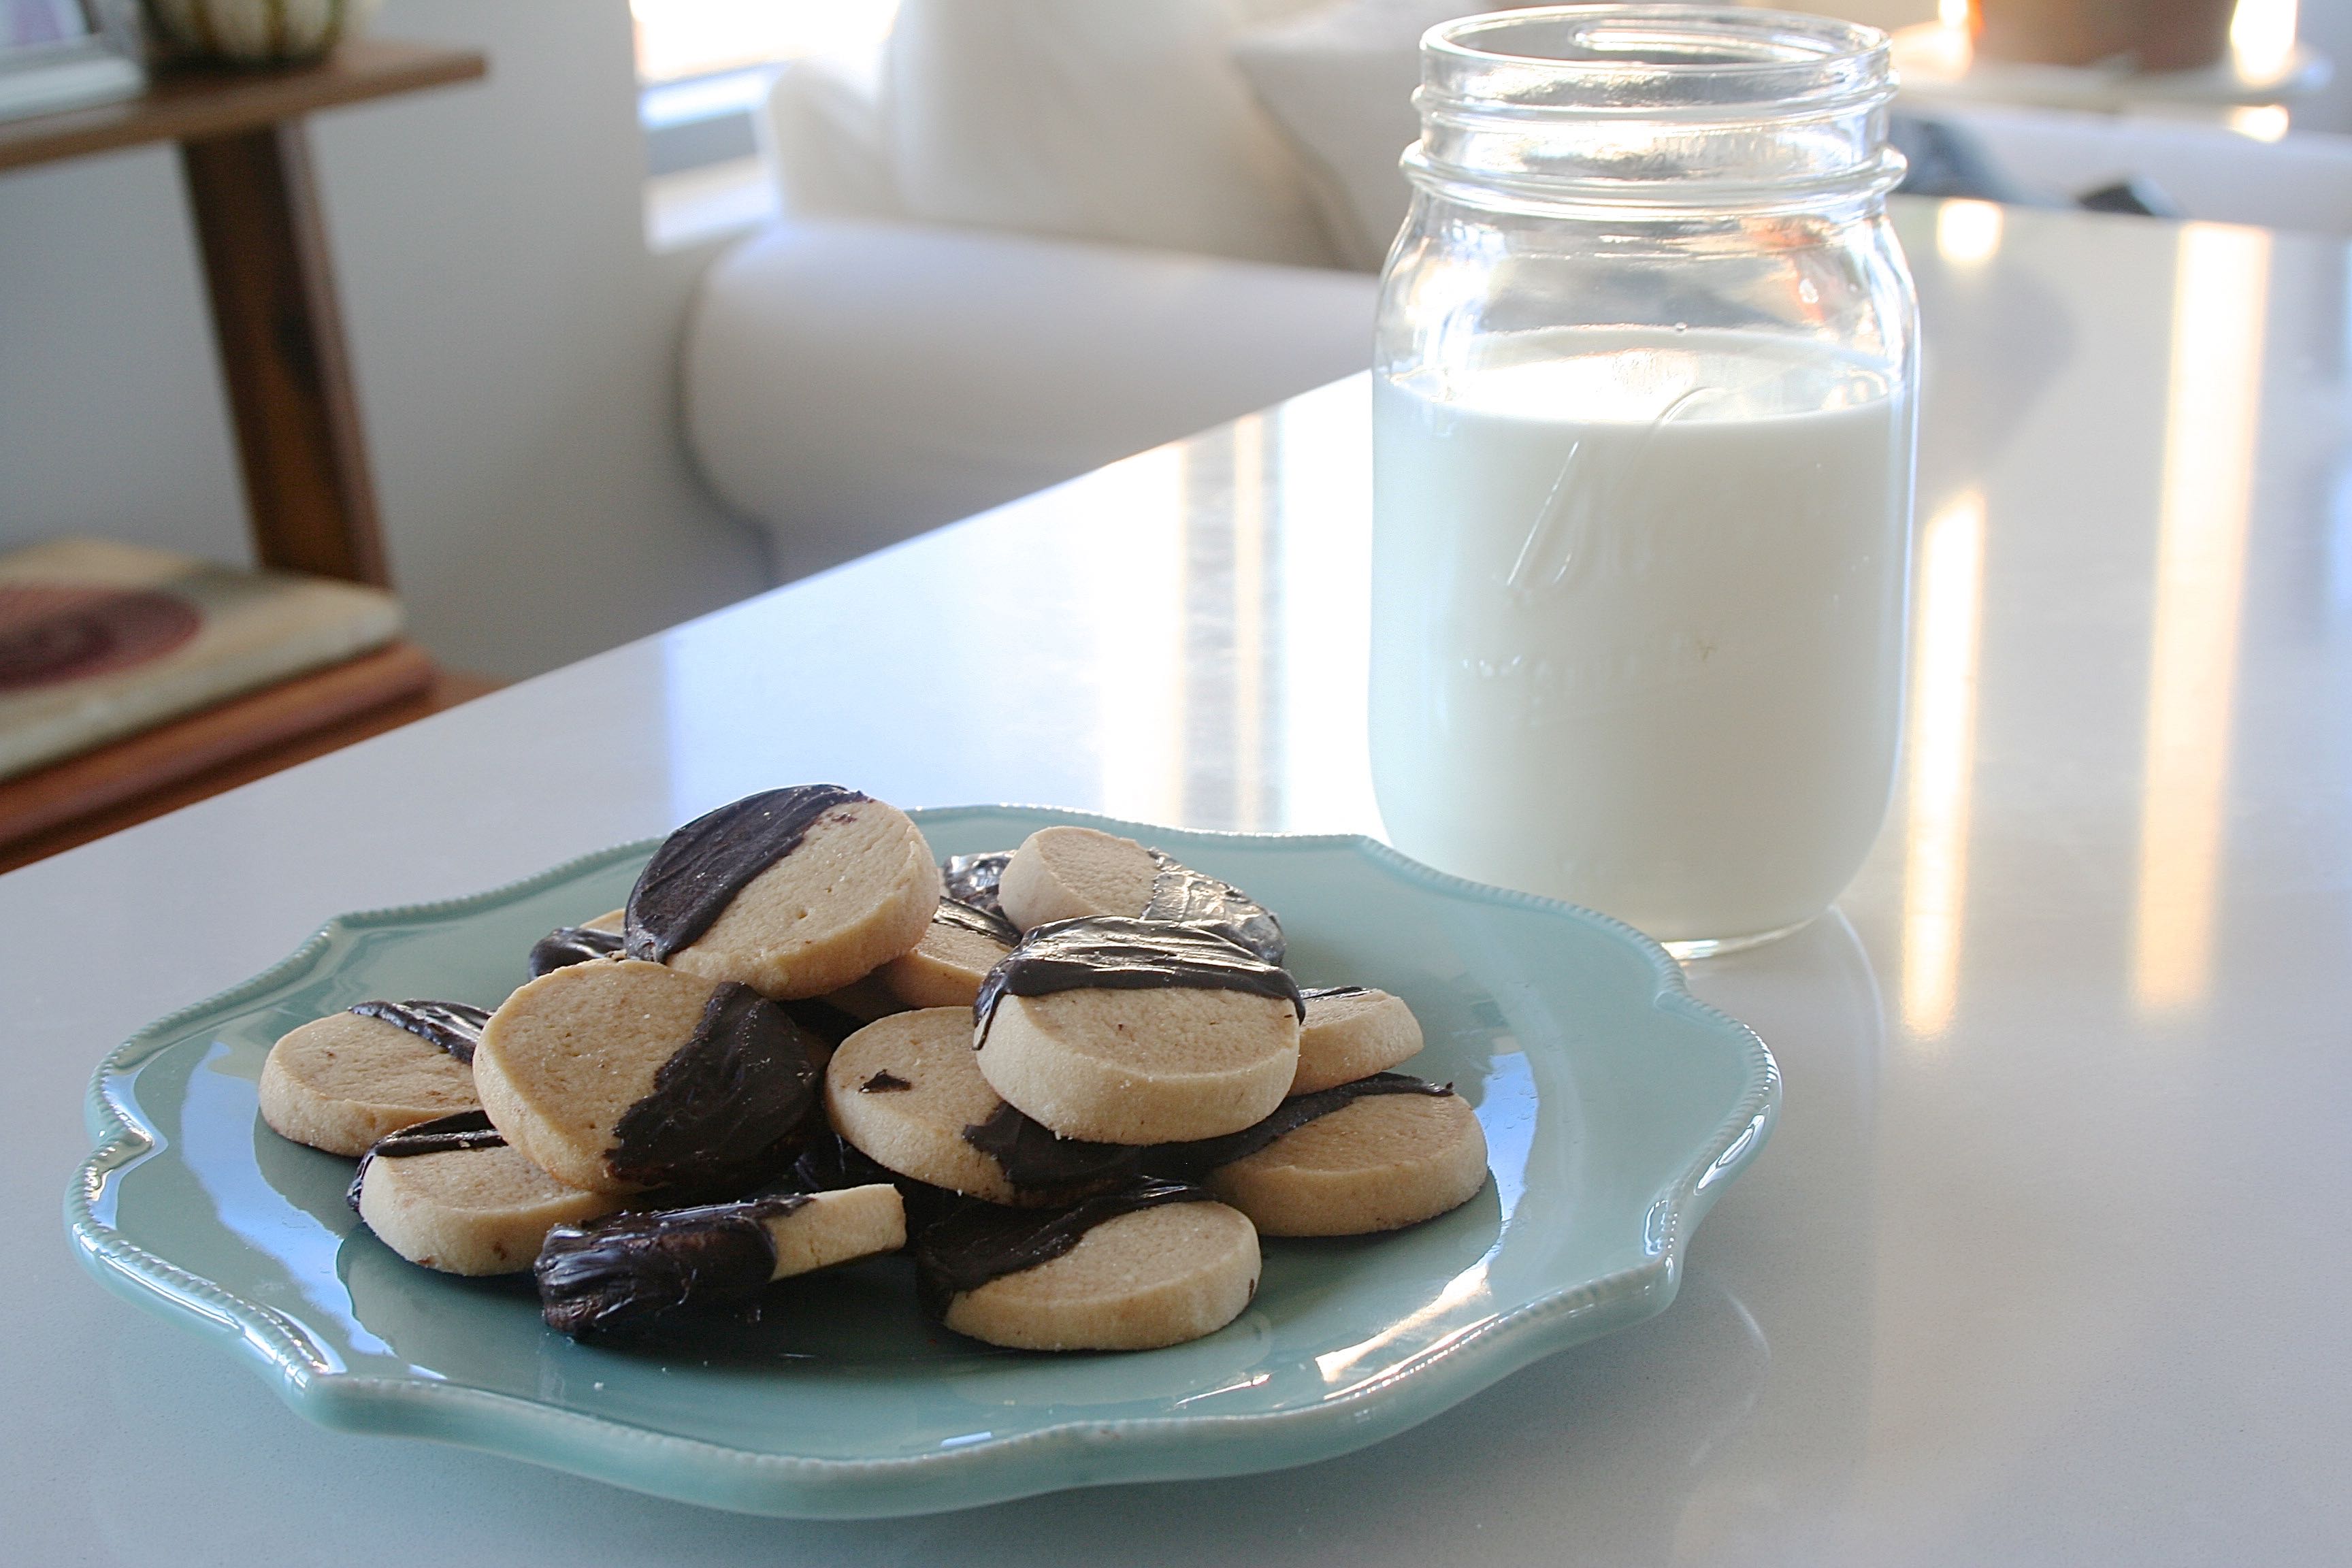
(1660, 108)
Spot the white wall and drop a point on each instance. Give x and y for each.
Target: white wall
(514, 343)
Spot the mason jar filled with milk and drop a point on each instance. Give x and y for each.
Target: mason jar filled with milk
(1644, 407)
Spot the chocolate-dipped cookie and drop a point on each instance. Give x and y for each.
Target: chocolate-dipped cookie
(1070, 873)
(972, 879)
(340, 1082)
(795, 892)
(453, 1196)
(1378, 1153)
(908, 1093)
(955, 955)
(582, 943)
(634, 1271)
(1153, 1264)
(621, 1076)
(1352, 1032)
(1129, 1031)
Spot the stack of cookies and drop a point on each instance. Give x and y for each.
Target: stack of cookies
(1078, 1088)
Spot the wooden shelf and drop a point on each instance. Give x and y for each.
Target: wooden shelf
(307, 492)
(196, 103)
(221, 747)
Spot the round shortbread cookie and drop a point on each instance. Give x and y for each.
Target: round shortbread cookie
(1071, 873)
(1381, 1163)
(955, 955)
(1068, 873)
(621, 1075)
(634, 1270)
(465, 1205)
(340, 1082)
(1106, 1275)
(1352, 1032)
(582, 943)
(908, 1093)
(1120, 1031)
(795, 892)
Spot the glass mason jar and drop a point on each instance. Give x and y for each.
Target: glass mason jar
(1644, 401)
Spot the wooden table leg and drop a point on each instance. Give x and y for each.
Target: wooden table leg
(282, 353)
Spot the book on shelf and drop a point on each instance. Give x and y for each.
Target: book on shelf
(62, 54)
(100, 640)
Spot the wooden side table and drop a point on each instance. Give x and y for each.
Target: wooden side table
(310, 498)
(247, 159)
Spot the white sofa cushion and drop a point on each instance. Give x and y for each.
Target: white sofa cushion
(849, 385)
(1123, 121)
(825, 143)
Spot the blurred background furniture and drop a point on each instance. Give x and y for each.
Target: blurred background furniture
(568, 451)
(312, 510)
(1010, 251)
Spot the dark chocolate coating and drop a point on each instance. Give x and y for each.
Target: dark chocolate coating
(567, 945)
(820, 1017)
(1324, 993)
(725, 1103)
(631, 1270)
(1202, 1156)
(969, 1249)
(454, 1026)
(1186, 896)
(700, 868)
(831, 1162)
(1038, 1160)
(978, 921)
(1111, 953)
(457, 1130)
(972, 879)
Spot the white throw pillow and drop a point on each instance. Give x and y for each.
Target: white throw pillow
(1340, 84)
(826, 142)
(1112, 119)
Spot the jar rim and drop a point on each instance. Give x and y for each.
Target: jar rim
(1664, 56)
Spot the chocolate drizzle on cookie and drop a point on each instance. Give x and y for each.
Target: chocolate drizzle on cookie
(1328, 993)
(885, 1082)
(454, 1026)
(700, 868)
(962, 916)
(449, 1134)
(1111, 953)
(724, 1103)
(567, 945)
(632, 1270)
(831, 1162)
(1038, 1162)
(974, 1246)
(1202, 1156)
(972, 879)
(1185, 897)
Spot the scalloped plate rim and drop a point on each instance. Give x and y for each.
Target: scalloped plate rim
(1169, 1447)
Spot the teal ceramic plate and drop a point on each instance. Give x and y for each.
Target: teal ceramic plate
(1615, 1107)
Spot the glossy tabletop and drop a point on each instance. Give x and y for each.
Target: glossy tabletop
(2044, 1262)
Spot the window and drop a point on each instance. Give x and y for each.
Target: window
(703, 70)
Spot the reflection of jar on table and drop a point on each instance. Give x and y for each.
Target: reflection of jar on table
(1644, 398)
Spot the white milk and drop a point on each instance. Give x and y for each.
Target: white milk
(1637, 612)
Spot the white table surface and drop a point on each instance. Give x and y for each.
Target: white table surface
(2045, 1263)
